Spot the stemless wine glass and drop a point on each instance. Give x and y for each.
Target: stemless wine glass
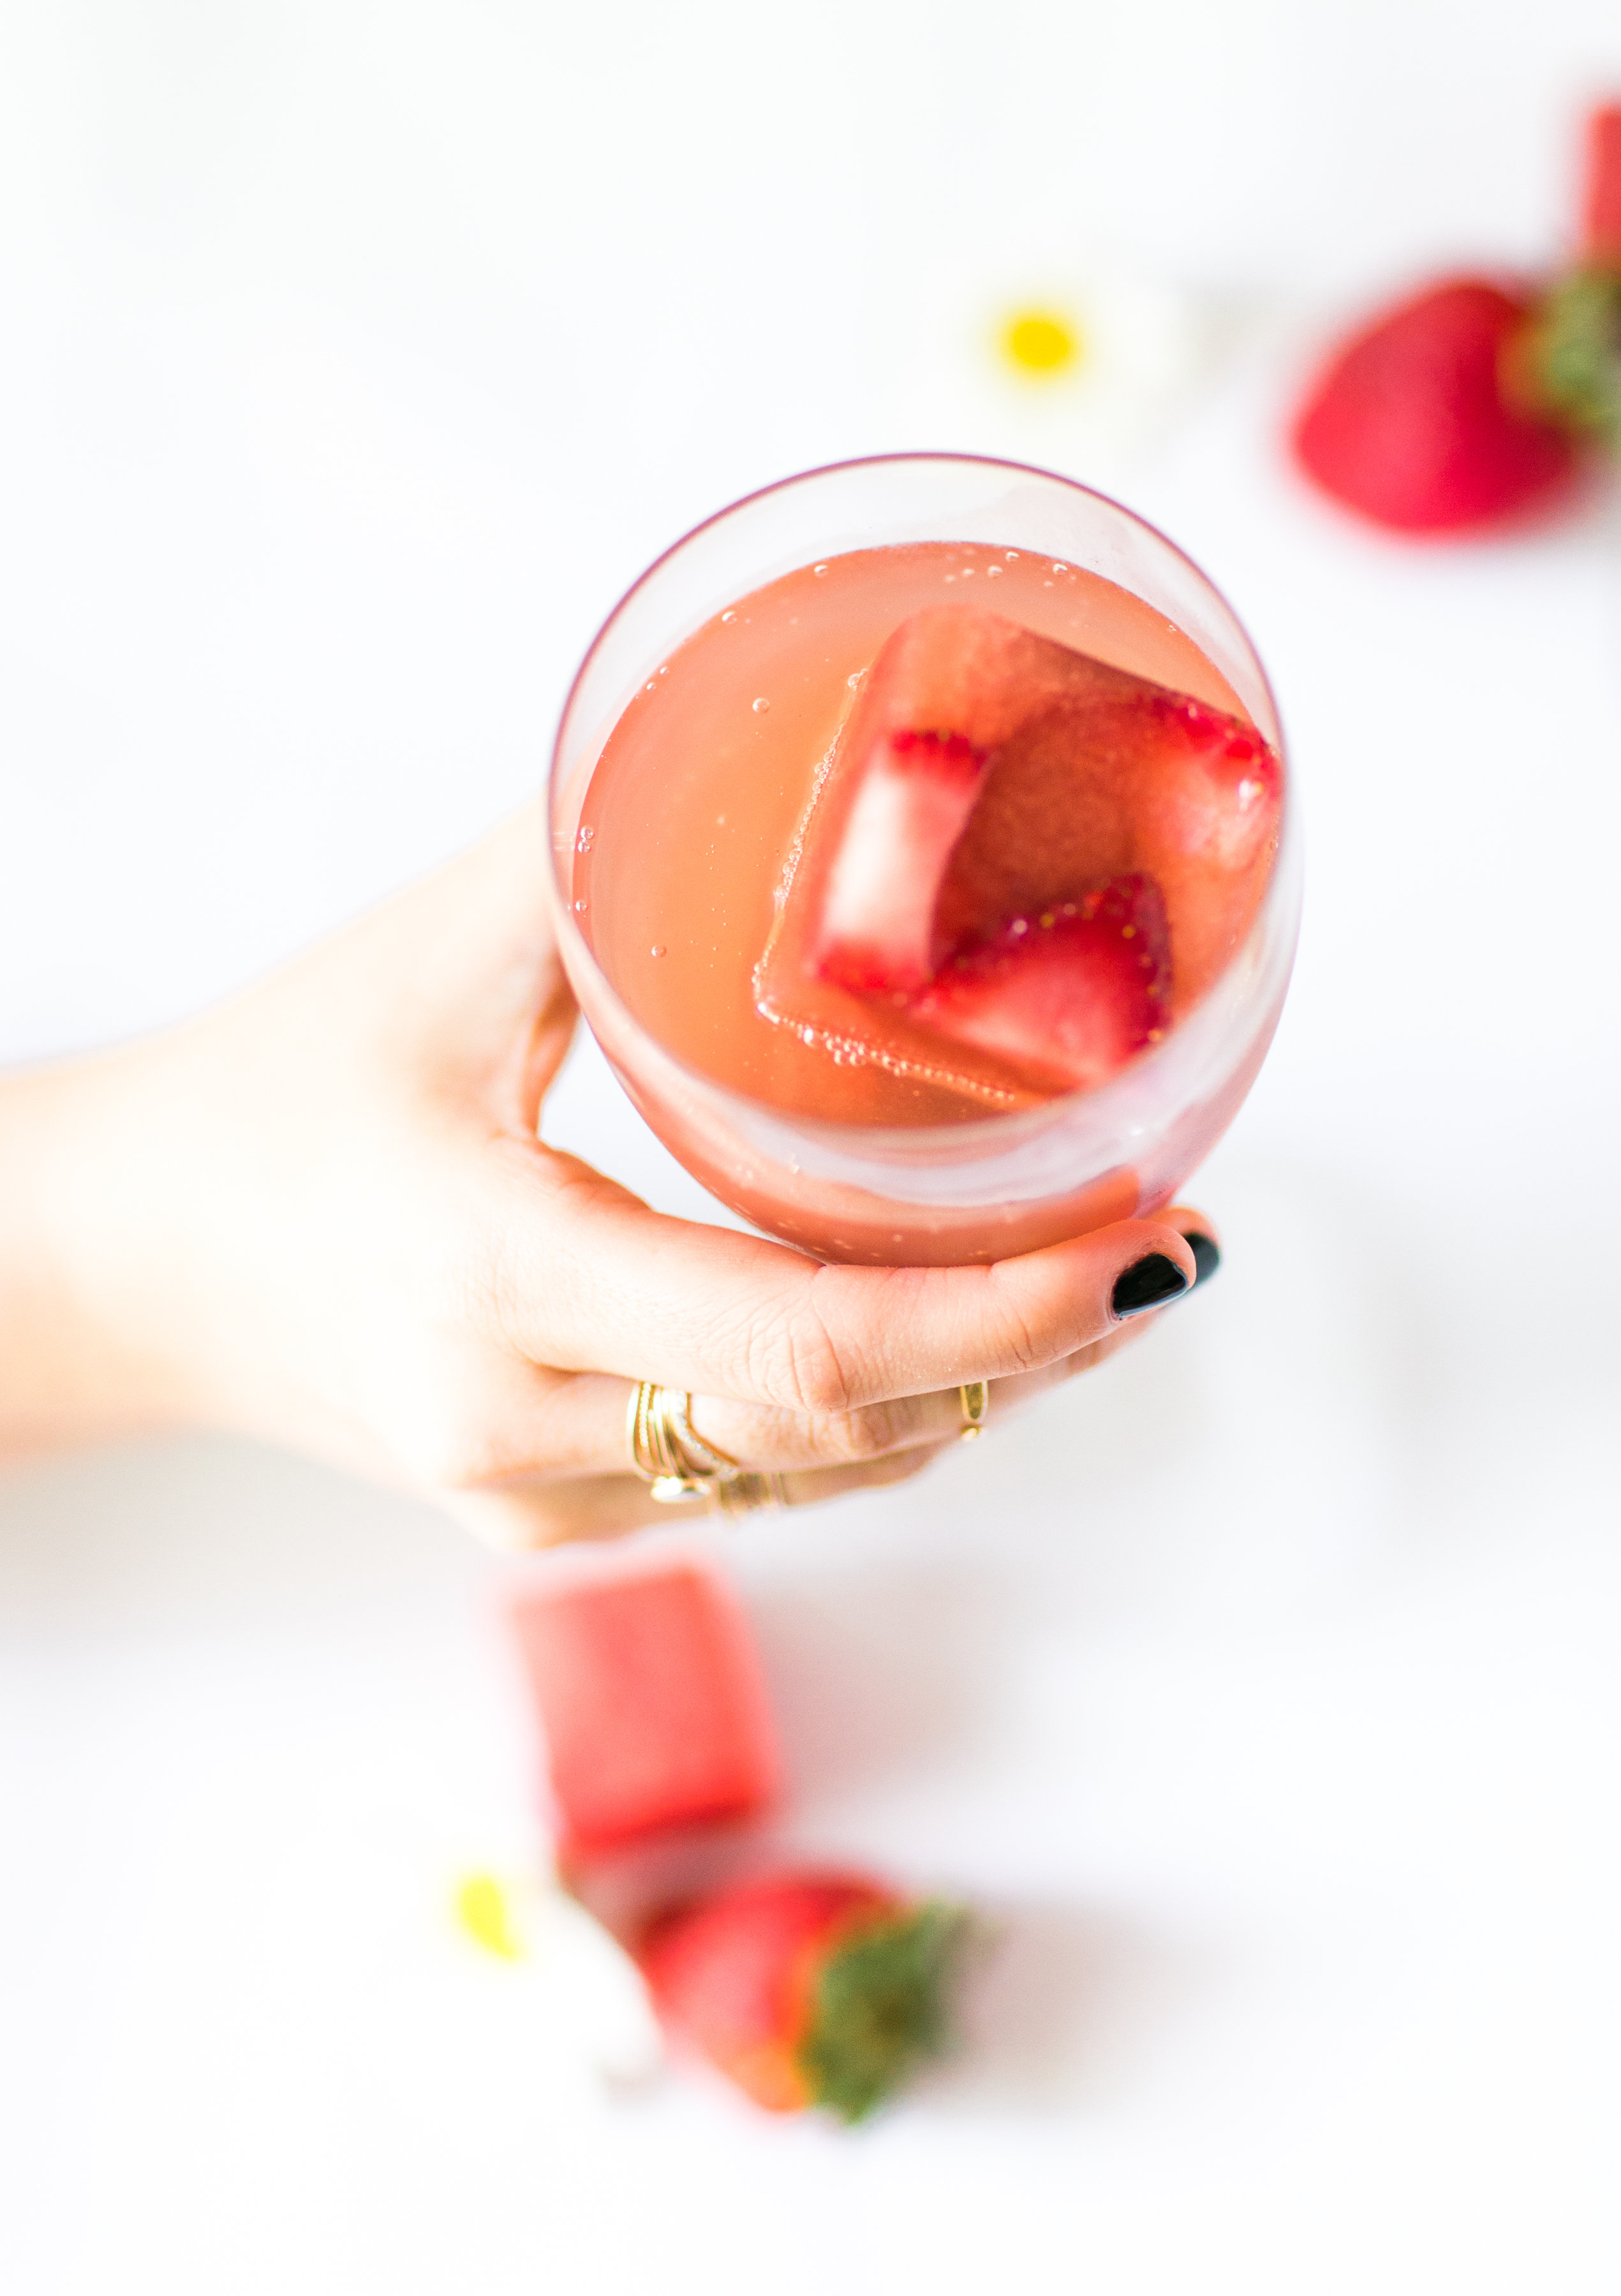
(1005, 1183)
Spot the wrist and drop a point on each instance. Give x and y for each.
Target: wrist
(88, 1352)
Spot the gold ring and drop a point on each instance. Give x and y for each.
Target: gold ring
(748, 1493)
(976, 1395)
(678, 1464)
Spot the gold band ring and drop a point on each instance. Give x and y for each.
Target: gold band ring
(976, 1395)
(669, 1455)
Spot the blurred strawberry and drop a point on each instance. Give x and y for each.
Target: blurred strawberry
(1472, 402)
(1572, 358)
(1416, 421)
(807, 1988)
(1602, 190)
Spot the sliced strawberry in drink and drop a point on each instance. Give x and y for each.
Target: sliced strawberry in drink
(1205, 822)
(1066, 997)
(915, 795)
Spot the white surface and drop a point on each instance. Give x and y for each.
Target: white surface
(351, 359)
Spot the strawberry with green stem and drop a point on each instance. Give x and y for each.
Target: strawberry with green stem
(1475, 401)
(1573, 357)
(808, 1987)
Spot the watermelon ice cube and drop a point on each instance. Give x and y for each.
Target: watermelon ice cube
(987, 774)
(964, 697)
(651, 1705)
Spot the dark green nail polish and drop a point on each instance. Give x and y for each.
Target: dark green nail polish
(1149, 1283)
(1206, 1257)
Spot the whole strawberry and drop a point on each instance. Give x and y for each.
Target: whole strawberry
(1416, 421)
(1475, 401)
(807, 1988)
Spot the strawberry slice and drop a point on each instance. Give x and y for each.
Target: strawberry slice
(806, 1987)
(1411, 422)
(1066, 997)
(1205, 829)
(914, 797)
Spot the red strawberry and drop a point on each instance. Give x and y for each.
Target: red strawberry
(1601, 193)
(807, 1988)
(651, 1704)
(1411, 424)
(1205, 828)
(916, 792)
(1570, 363)
(1067, 996)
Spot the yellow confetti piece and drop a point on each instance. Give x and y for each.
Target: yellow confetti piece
(1041, 342)
(484, 1912)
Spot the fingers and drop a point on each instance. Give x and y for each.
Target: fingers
(524, 1517)
(591, 1280)
(560, 1472)
(584, 1430)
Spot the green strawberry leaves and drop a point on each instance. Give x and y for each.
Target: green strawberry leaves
(1572, 353)
(880, 2007)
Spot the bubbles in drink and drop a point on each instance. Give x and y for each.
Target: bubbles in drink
(730, 614)
(818, 569)
(760, 705)
(582, 842)
(659, 949)
(992, 572)
(580, 907)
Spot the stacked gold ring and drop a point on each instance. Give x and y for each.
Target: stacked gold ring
(976, 1395)
(669, 1455)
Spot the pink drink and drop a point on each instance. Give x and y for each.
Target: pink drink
(682, 825)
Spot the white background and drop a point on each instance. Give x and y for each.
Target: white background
(352, 359)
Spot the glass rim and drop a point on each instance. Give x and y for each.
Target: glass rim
(974, 1137)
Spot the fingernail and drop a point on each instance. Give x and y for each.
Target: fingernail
(1206, 1257)
(1148, 1284)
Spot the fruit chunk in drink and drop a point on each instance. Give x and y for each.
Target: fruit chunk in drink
(1020, 850)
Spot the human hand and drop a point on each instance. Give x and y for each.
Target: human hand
(323, 1215)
